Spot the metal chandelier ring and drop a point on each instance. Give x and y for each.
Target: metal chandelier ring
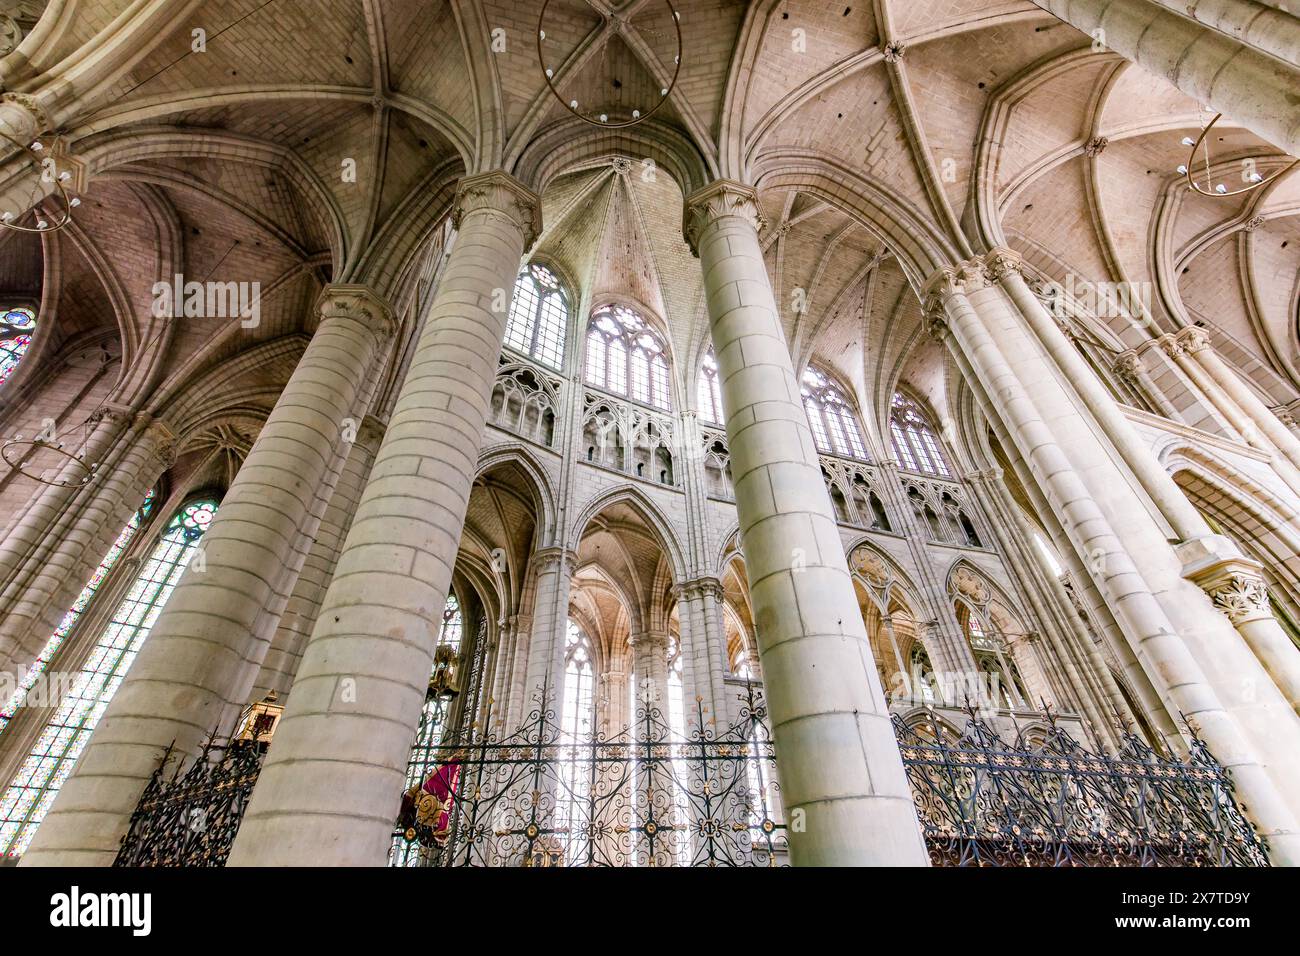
(619, 124)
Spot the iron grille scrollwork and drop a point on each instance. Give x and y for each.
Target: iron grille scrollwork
(190, 818)
(646, 796)
(983, 801)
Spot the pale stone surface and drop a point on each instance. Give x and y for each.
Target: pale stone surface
(359, 688)
(197, 667)
(843, 773)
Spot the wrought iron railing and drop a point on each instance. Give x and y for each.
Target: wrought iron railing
(1050, 801)
(647, 796)
(190, 817)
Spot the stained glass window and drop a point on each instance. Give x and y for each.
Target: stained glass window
(708, 393)
(576, 725)
(831, 416)
(539, 316)
(16, 327)
(623, 350)
(35, 672)
(37, 782)
(914, 439)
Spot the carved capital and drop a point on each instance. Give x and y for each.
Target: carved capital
(1128, 365)
(700, 587)
(357, 302)
(158, 442)
(1234, 582)
(651, 641)
(1243, 597)
(1170, 346)
(117, 414)
(1002, 262)
(715, 202)
(947, 283)
(1193, 339)
(498, 194)
(554, 559)
(22, 119)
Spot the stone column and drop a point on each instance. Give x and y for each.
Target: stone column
(545, 669)
(1236, 586)
(1197, 344)
(1230, 70)
(330, 784)
(42, 590)
(1130, 367)
(51, 507)
(614, 702)
(703, 634)
(981, 327)
(843, 781)
(1182, 348)
(649, 676)
(196, 669)
(299, 617)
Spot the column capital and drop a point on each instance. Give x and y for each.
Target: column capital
(1170, 345)
(21, 118)
(116, 412)
(499, 194)
(546, 559)
(358, 302)
(160, 442)
(1193, 339)
(1234, 582)
(719, 199)
(1002, 262)
(1128, 365)
(705, 584)
(652, 640)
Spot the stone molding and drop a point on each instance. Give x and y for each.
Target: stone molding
(498, 194)
(1234, 582)
(357, 302)
(716, 201)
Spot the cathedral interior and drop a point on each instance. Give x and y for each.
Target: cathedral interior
(632, 432)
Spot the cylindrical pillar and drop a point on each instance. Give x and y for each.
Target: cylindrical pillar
(40, 592)
(330, 784)
(195, 670)
(295, 624)
(1197, 344)
(1143, 618)
(843, 783)
(544, 673)
(1229, 71)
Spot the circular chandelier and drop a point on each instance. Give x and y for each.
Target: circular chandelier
(631, 101)
(47, 460)
(48, 173)
(1251, 176)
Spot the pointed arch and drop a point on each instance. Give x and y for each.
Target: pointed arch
(655, 518)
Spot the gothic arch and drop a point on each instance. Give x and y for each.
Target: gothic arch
(919, 244)
(571, 144)
(105, 152)
(652, 514)
(542, 487)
